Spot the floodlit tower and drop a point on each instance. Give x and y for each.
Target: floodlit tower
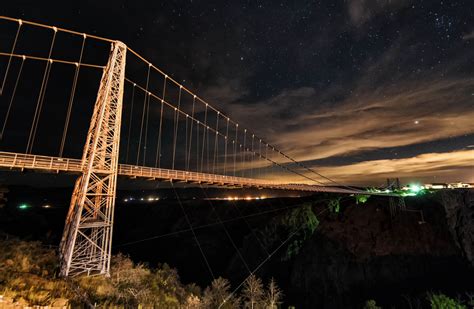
(87, 237)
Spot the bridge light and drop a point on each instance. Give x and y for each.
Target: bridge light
(55, 29)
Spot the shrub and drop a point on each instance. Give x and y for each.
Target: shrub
(441, 301)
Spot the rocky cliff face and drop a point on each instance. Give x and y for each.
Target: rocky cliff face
(459, 209)
(361, 253)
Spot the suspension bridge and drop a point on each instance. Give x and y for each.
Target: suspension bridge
(144, 124)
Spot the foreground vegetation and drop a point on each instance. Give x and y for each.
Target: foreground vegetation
(28, 276)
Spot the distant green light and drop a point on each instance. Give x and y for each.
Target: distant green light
(23, 206)
(415, 188)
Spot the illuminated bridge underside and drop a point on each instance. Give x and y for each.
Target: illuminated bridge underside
(21, 161)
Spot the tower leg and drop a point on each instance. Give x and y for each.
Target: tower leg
(87, 238)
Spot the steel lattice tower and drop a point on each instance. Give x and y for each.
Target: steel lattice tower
(87, 237)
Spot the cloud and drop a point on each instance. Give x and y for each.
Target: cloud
(401, 115)
(428, 167)
(468, 36)
(361, 11)
(449, 166)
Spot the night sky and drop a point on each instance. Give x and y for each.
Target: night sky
(359, 90)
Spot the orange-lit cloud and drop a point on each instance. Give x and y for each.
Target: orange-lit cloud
(449, 166)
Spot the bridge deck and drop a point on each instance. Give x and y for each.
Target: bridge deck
(10, 160)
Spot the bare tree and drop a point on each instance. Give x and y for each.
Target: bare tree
(253, 292)
(218, 295)
(273, 295)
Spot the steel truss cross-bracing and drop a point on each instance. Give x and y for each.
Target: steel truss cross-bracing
(87, 238)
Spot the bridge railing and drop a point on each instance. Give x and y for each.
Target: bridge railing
(18, 160)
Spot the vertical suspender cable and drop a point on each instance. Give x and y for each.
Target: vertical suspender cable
(216, 140)
(12, 97)
(11, 55)
(71, 98)
(207, 150)
(244, 153)
(143, 113)
(252, 157)
(266, 158)
(186, 145)
(241, 151)
(203, 138)
(191, 134)
(130, 123)
(176, 124)
(260, 158)
(158, 147)
(39, 103)
(197, 146)
(235, 145)
(146, 127)
(225, 146)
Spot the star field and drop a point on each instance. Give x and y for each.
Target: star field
(337, 84)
